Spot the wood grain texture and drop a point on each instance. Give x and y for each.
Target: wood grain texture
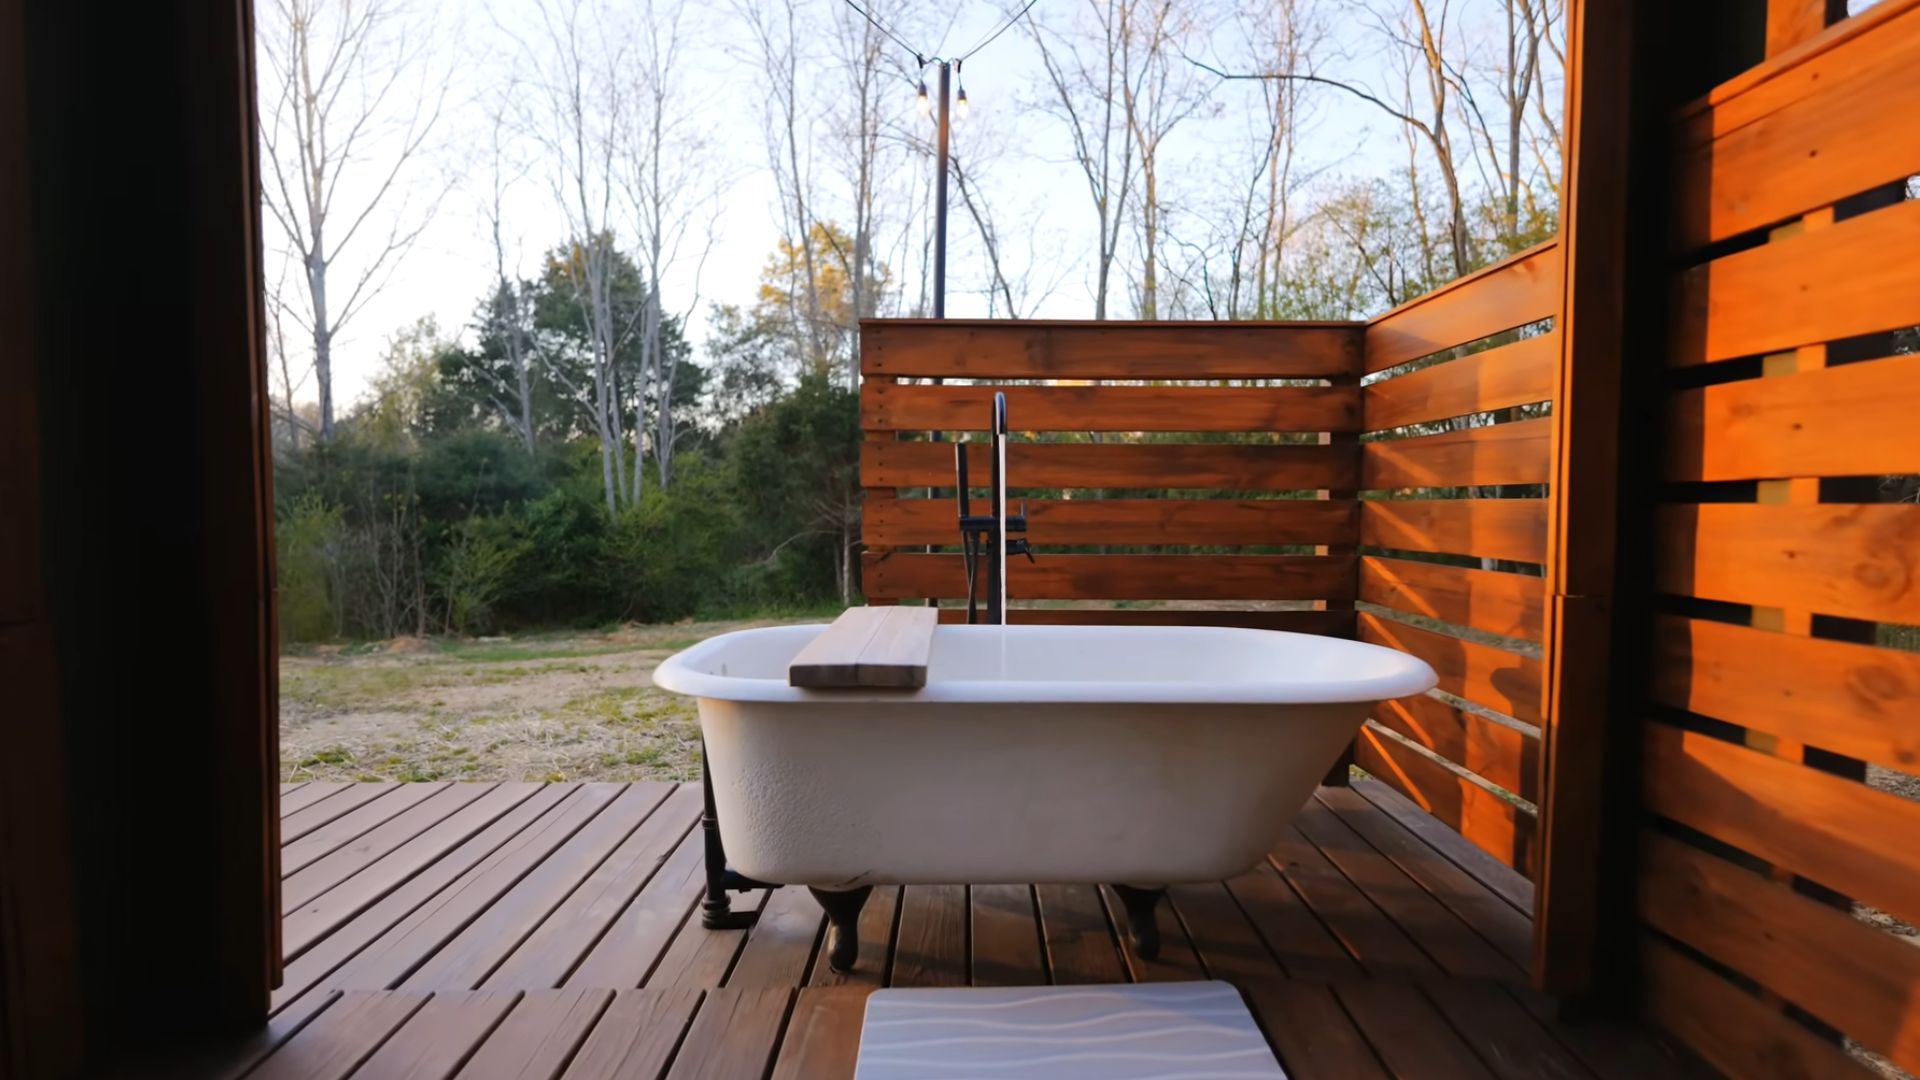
(1002, 934)
(340, 1038)
(636, 1036)
(1799, 140)
(1852, 420)
(868, 647)
(1857, 978)
(539, 1037)
(1518, 373)
(822, 1040)
(1074, 931)
(1213, 522)
(1121, 577)
(1514, 453)
(1502, 924)
(922, 407)
(1511, 605)
(1036, 349)
(1131, 466)
(1514, 529)
(1504, 756)
(932, 946)
(1492, 824)
(733, 1035)
(1734, 1031)
(1521, 289)
(1837, 832)
(436, 1041)
(1851, 699)
(1311, 1032)
(1411, 1035)
(1857, 561)
(1503, 681)
(1840, 281)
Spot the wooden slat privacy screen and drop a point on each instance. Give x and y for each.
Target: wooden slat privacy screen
(1125, 471)
(1453, 522)
(1784, 693)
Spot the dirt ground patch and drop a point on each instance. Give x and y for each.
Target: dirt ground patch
(547, 707)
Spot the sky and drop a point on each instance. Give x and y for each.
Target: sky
(1021, 152)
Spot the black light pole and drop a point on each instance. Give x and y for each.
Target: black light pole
(940, 197)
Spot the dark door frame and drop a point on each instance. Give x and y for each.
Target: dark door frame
(138, 737)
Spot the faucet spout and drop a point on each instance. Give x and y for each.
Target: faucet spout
(992, 532)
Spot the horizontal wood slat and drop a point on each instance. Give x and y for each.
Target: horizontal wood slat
(1121, 577)
(1516, 453)
(1802, 139)
(1517, 374)
(1004, 349)
(1736, 1032)
(1504, 756)
(1522, 289)
(1500, 680)
(1849, 278)
(1851, 420)
(1514, 529)
(1855, 561)
(1511, 605)
(1837, 832)
(897, 522)
(887, 405)
(1334, 623)
(1142, 466)
(1862, 981)
(1856, 700)
(1490, 822)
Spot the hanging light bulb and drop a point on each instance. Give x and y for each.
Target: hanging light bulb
(925, 103)
(960, 104)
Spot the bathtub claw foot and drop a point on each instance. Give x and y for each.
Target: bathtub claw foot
(1143, 927)
(843, 924)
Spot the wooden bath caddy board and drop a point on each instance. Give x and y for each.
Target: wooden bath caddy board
(1133, 1032)
(868, 648)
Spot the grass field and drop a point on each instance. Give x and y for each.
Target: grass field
(552, 707)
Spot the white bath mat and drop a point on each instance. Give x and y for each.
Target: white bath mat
(1161, 1031)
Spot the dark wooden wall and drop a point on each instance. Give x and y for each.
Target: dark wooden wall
(135, 612)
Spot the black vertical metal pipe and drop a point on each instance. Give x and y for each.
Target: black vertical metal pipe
(940, 198)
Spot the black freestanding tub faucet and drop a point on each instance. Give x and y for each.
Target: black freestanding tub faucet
(992, 533)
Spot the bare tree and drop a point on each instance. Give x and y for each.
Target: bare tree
(351, 97)
(672, 184)
(773, 26)
(509, 315)
(1089, 70)
(861, 53)
(1159, 92)
(1424, 106)
(575, 111)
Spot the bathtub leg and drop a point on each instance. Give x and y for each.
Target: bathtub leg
(716, 911)
(843, 924)
(1143, 928)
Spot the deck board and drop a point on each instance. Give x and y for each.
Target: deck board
(1371, 943)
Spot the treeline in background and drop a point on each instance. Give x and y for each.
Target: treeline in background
(596, 442)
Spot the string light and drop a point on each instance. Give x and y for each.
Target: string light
(960, 105)
(926, 102)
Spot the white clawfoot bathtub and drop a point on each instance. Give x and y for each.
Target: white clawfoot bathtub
(1051, 754)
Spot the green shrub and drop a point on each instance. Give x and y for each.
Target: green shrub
(307, 554)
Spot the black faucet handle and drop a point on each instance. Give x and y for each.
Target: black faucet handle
(1021, 547)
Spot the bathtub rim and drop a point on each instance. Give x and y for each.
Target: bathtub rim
(1407, 676)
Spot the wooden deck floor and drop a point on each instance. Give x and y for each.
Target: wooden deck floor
(530, 930)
